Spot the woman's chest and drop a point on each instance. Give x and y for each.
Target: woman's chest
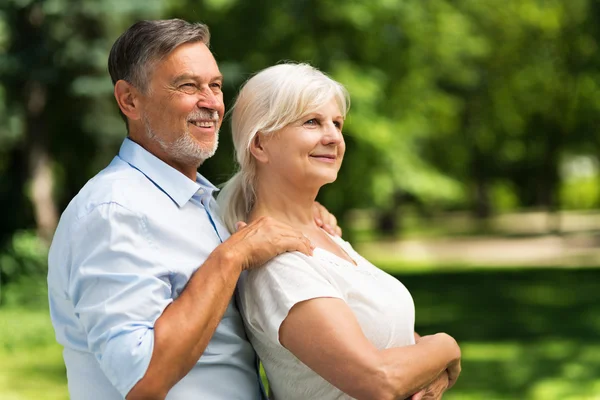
(382, 305)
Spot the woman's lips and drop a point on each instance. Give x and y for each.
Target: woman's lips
(329, 158)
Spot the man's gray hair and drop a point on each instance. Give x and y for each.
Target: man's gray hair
(139, 48)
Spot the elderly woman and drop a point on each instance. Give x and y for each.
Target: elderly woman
(332, 325)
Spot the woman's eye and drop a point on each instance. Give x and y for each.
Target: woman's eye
(337, 124)
(311, 122)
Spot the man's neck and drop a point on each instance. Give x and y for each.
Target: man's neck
(154, 148)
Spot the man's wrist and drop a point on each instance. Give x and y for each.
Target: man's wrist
(228, 259)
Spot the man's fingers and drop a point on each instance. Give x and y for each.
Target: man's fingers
(329, 229)
(333, 230)
(418, 396)
(310, 245)
(301, 244)
(267, 238)
(332, 220)
(318, 213)
(325, 220)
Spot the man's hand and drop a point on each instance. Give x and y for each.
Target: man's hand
(256, 243)
(435, 390)
(193, 317)
(325, 220)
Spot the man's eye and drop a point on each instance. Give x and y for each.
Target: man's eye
(216, 85)
(188, 85)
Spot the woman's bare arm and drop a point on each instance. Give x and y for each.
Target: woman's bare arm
(325, 335)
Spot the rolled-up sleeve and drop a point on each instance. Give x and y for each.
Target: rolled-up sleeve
(119, 288)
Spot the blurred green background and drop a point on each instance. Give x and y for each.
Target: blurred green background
(472, 170)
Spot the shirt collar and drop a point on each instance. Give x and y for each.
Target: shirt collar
(172, 182)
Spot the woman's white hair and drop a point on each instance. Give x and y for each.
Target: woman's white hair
(267, 102)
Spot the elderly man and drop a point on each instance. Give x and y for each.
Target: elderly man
(141, 269)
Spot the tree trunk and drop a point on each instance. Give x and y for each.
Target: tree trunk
(483, 208)
(551, 179)
(40, 162)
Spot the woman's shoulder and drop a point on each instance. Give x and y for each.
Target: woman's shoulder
(284, 262)
(340, 241)
(267, 294)
(287, 271)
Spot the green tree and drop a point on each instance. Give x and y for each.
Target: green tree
(55, 108)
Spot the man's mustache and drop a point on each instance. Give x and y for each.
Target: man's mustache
(205, 114)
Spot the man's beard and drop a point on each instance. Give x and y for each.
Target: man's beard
(185, 149)
(188, 151)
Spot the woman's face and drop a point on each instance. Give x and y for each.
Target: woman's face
(307, 152)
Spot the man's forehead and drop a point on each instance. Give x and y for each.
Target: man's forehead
(192, 59)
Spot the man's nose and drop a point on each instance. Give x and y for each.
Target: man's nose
(209, 99)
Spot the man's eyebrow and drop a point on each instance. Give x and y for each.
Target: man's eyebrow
(183, 77)
(192, 77)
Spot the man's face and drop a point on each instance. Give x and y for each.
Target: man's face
(183, 108)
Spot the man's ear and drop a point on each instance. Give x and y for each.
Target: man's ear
(257, 148)
(127, 98)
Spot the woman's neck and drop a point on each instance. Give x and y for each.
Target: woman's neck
(284, 202)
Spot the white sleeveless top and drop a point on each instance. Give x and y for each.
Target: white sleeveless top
(383, 307)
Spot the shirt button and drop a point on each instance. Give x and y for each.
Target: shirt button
(200, 191)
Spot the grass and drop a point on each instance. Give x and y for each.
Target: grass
(528, 334)
(31, 365)
(525, 334)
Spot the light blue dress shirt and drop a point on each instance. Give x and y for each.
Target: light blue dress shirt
(124, 249)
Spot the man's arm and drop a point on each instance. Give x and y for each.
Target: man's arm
(194, 316)
(143, 340)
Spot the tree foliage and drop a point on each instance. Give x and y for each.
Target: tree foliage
(455, 103)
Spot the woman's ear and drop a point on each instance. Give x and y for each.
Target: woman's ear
(257, 148)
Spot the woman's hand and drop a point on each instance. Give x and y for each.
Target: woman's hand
(435, 390)
(453, 372)
(446, 380)
(453, 368)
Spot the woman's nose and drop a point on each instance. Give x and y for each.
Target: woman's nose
(332, 135)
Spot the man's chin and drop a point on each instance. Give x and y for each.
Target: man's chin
(191, 151)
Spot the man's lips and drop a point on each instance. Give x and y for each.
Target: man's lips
(203, 123)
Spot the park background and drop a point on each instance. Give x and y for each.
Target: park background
(471, 174)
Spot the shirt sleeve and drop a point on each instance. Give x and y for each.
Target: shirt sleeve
(269, 293)
(118, 291)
